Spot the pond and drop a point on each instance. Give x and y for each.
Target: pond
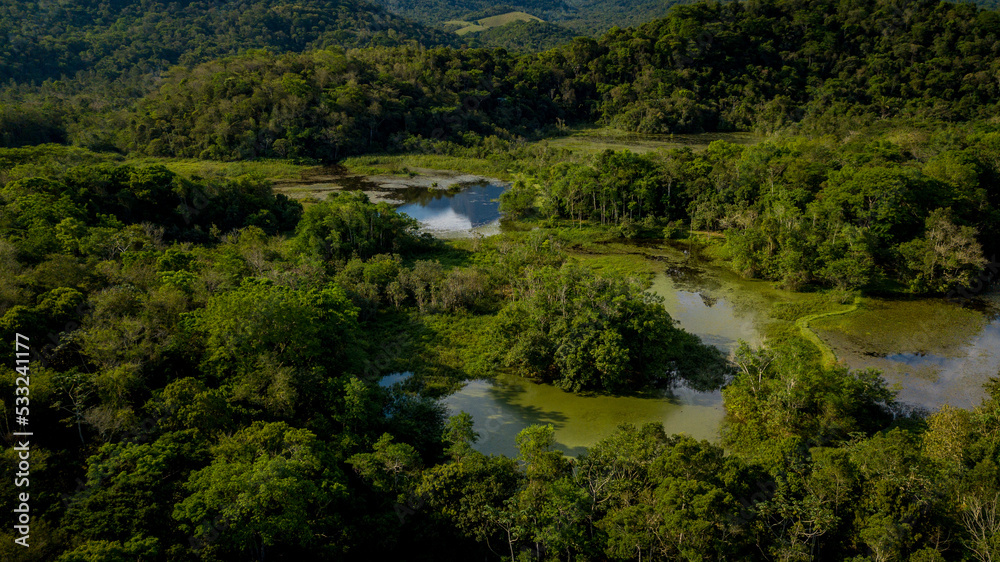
(447, 204)
(456, 212)
(500, 409)
(935, 352)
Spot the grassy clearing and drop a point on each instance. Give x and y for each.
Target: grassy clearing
(827, 356)
(440, 349)
(619, 266)
(274, 170)
(504, 19)
(466, 27)
(410, 164)
(472, 28)
(591, 139)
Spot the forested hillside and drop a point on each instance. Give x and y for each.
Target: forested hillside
(522, 36)
(706, 67)
(433, 12)
(106, 39)
(204, 361)
(582, 17)
(594, 17)
(326, 105)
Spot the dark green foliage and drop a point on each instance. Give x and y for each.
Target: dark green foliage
(24, 125)
(738, 65)
(128, 491)
(248, 325)
(585, 333)
(781, 396)
(327, 104)
(704, 67)
(206, 353)
(593, 17)
(865, 213)
(112, 39)
(98, 210)
(267, 483)
(349, 225)
(522, 36)
(217, 400)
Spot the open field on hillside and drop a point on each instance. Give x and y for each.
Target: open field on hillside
(465, 27)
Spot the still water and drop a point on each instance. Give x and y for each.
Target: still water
(450, 213)
(503, 408)
(933, 351)
(928, 369)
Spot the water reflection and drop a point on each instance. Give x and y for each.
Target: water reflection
(502, 409)
(393, 379)
(931, 380)
(453, 211)
(706, 313)
(939, 357)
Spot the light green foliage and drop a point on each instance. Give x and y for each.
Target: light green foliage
(282, 345)
(208, 390)
(945, 257)
(112, 551)
(460, 436)
(257, 318)
(262, 484)
(129, 492)
(780, 397)
(390, 467)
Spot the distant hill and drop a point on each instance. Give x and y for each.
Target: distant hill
(523, 36)
(709, 66)
(597, 16)
(590, 17)
(464, 27)
(433, 12)
(109, 38)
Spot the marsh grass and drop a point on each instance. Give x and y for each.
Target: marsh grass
(890, 326)
(409, 164)
(589, 139)
(272, 169)
(440, 351)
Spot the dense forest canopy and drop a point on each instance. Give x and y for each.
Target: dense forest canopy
(176, 420)
(863, 213)
(208, 355)
(106, 39)
(706, 67)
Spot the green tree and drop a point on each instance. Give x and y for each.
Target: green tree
(267, 486)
